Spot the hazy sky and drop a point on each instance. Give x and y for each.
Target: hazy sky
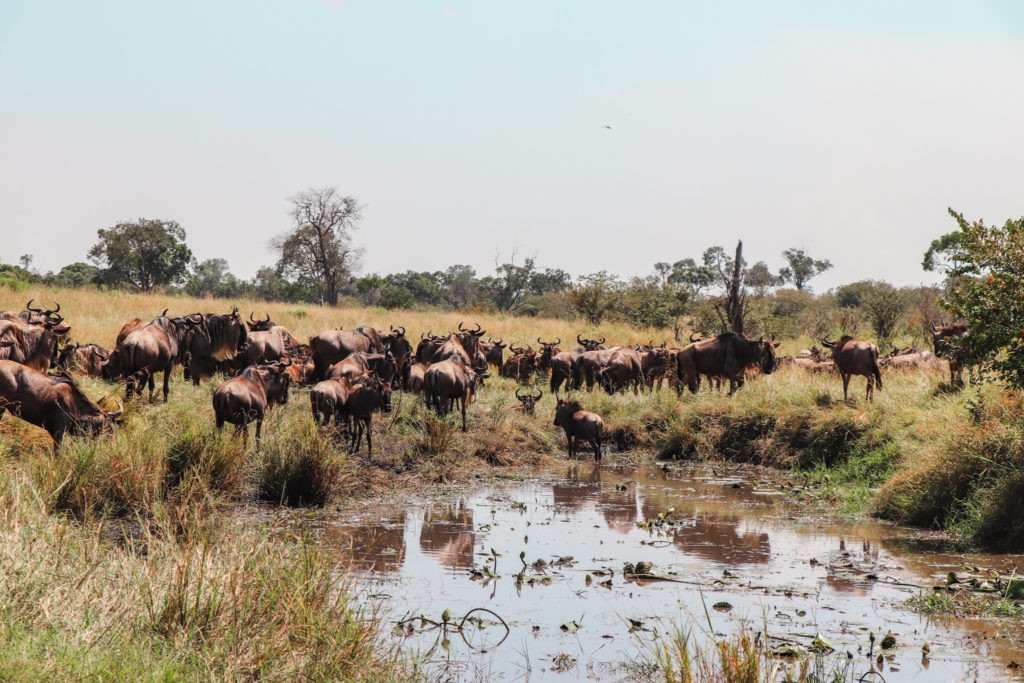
(475, 128)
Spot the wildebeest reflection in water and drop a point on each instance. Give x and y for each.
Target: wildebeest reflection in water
(715, 537)
(447, 534)
(618, 507)
(371, 547)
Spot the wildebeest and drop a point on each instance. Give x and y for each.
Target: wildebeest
(528, 402)
(563, 364)
(655, 363)
(51, 318)
(152, 348)
(449, 381)
(327, 399)
(910, 360)
(414, 383)
(942, 336)
(494, 352)
(382, 364)
(620, 371)
(579, 424)
(396, 343)
(548, 350)
(31, 344)
(465, 344)
(85, 358)
(854, 357)
(368, 394)
(246, 398)
(728, 355)
(52, 402)
(330, 346)
(521, 366)
(218, 338)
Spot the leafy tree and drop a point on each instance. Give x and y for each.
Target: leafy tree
(207, 277)
(511, 284)
(688, 274)
(77, 275)
(552, 280)
(425, 288)
(142, 255)
(460, 286)
(986, 264)
(317, 251)
(396, 296)
(802, 268)
(761, 278)
(595, 296)
(369, 289)
(885, 307)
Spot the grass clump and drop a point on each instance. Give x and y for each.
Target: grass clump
(298, 466)
(965, 603)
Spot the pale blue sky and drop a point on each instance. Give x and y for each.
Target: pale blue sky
(473, 128)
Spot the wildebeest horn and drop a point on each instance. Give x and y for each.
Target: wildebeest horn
(57, 304)
(931, 324)
(692, 339)
(28, 307)
(234, 310)
(580, 341)
(521, 398)
(402, 332)
(602, 341)
(539, 341)
(116, 413)
(557, 342)
(251, 319)
(539, 394)
(164, 313)
(827, 344)
(461, 328)
(54, 319)
(267, 320)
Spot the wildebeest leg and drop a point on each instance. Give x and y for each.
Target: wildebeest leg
(369, 432)
(167, 378)
(596, 444)
(846, 386)
(871, 388)
(259, 431)
(572, 449)
(462, 404)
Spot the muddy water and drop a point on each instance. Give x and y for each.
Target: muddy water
(731, 539)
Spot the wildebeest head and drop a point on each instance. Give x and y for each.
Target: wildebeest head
(529, 401)
(590, 344)
(564, 411)
(470, 339)
(277, 378)
(259, 325)
(381, 388)
(838, 344)
(766, 354)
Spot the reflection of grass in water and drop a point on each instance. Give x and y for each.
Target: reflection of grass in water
(965, 603)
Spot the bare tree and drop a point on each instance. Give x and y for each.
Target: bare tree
(318, 251)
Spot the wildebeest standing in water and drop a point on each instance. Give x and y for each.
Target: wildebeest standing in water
(52, 402)
(941, 336)
(579, 424)
(245, 398)
(853, 357)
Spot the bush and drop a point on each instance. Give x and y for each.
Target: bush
(298, 467)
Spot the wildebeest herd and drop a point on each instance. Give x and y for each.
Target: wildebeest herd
(352, 373)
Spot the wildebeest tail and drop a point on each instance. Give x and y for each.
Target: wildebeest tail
(875, 371)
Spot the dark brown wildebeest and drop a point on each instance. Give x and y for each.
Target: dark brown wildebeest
(429, 343)
(449, 381)
(217, 339)
(948, 342)
(415, 383)
(728, 355)
(548, 350)
(655, 363)
(494, 352)
(465, 344)
(912, 360)
(85, 358)
(31, 344)
(529, 401)
(38, 316)
(579, 424)
(330, 346)
(368, 394)
(620, 371)
(246, 398)
(259, 325)
(563, 364)
(396, 342)
(152, 348)
(52, 402)
(381, 364)
(854, 357)
(327, 399)
(521, 366)
(270, 345)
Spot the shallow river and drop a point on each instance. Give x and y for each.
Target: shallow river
(732, 538)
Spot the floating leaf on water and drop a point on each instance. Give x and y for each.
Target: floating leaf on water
(588, 579)
(570, 626)
(819, 644)
(722, 607)
(889, 641)
(801, 613)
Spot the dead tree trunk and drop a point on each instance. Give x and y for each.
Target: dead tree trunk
(736, 301)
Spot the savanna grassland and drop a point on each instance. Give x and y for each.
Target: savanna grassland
(131, 556)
